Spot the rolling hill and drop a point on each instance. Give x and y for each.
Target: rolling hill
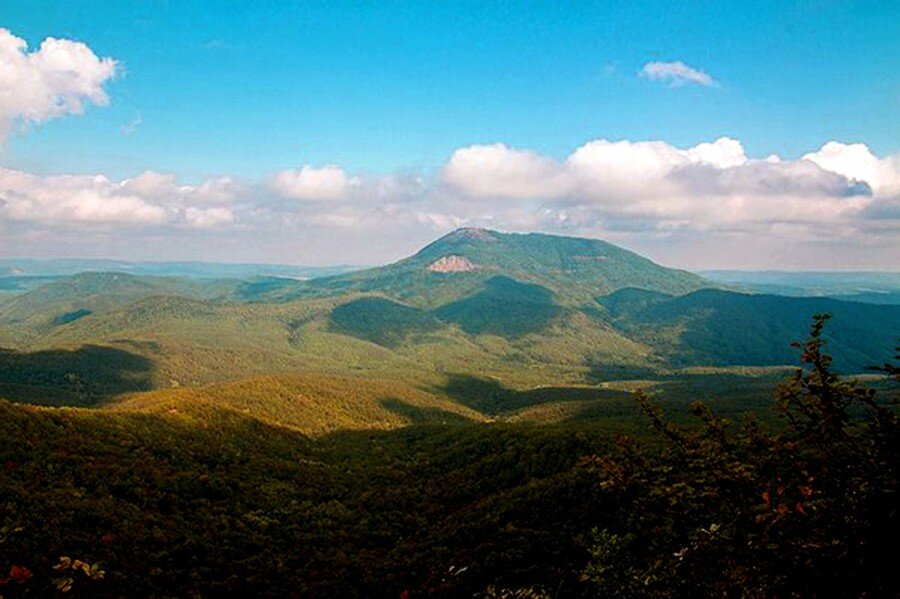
(65, 300)
(525, 310)
(717, 327)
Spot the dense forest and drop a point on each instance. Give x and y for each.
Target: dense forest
(203, 499)
(528, 426)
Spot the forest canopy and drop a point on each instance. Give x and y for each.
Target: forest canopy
(212, 502)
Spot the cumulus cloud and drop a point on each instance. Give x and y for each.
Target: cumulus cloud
(69, 198)
(152, 184)
(723, 153)
(313, 184)
(676, 73)
(644, 194)
(615, 170)
(655, 186)
(55, 80)
(857, 162)
(221, 190)
(502, 172)
(151, 198)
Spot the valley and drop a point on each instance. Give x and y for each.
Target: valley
(424, 427)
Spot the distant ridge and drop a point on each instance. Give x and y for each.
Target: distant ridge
(35, 267)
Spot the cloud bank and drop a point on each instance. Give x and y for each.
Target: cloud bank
(654, 186)
(55, 80)
(702, 206)
(151, 198)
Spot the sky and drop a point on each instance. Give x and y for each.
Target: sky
(761, 135)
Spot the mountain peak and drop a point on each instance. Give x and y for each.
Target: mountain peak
(460, 241)
(473, 233)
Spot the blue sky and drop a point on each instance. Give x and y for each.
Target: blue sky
(245, 88)
(390, 93)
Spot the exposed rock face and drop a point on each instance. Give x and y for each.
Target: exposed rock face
(452, 263)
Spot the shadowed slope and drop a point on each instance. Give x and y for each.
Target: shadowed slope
(381, 321)
(715, 327)
(76, 377)
(503, 307)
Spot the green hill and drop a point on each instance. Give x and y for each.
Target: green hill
(503, 306)
(217, 503)
(382, 321)
(715, 327)
(68, 299)
(458, 264)
(344, 487)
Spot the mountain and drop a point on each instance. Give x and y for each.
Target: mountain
(574, 270)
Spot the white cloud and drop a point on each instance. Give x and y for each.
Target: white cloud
(55, 80)
(151, 184)
(208, 218)
(151, 198)
(637, 192)
(856, 161)
(439, 221)
(677, 74)
(616, 170)
(216, 191)
(165, 187)
(72, 199)
(722, 153)
(654, 186)
(315, 184)
(499, 171)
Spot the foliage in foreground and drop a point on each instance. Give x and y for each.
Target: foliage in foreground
(810, 509)
(110, 504)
